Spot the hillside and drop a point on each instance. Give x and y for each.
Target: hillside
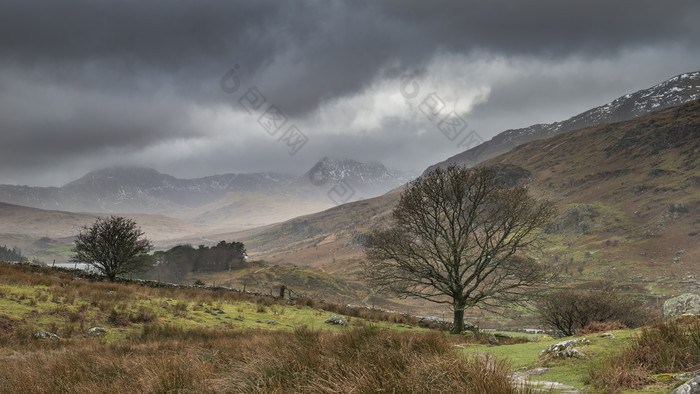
(627, 194)
(675, 91)
(250, 209)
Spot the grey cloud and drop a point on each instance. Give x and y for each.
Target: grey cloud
(128, 70)
(336, 47)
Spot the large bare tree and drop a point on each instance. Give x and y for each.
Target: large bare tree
(114, 246)
(457, 238)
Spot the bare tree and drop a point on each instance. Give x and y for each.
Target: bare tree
(454, 239)
(114, 246)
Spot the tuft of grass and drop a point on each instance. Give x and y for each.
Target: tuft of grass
(367, 360)
(662, 348)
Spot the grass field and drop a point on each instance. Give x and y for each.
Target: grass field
(196, 340)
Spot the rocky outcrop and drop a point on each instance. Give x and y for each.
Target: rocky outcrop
(565, 349)
(575, 220)
(682, 305)
(337, 320)
(41, 334)
(690, 387)
(96, 331)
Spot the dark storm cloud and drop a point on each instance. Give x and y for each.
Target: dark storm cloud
(122, 75)
(308, 51)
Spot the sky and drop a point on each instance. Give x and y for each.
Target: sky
(202, 87)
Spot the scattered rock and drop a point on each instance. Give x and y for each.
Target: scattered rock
(499, 335)
(337, 320)
(690, 387)
(608, 335)
(565, 349)
(96, 331)
(682, 305)
(271, 322)
(681, 252)
(41, 334)
(537, 371)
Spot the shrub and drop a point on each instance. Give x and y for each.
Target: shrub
(570, 310)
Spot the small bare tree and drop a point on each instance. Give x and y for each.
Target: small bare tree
(569, 310)
(454, 240)
(114, 246)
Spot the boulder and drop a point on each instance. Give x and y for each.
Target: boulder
(565, 349)
(337, 320)
(690, 387)
(682, 305)
(41, 334)
(96, 331)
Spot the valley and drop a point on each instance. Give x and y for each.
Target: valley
(450, 196)
(626, 194)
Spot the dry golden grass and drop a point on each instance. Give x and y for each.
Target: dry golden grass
(662, 348)
(596, 327)
(153, 356)
(170, 359)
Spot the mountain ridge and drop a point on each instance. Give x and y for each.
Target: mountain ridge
(680, 89)
(131, 189)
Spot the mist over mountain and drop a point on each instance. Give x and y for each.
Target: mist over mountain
(145, 190)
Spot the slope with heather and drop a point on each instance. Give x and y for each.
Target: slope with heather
(627, 194)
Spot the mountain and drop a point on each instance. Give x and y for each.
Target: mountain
(145, 190)
(677, 90)
(346, 180)
(138, 190)
(628, 195)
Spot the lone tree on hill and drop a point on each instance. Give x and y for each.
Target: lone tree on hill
(114, 246)
(454, 239)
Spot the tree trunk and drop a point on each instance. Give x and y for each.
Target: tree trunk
(458, 321)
